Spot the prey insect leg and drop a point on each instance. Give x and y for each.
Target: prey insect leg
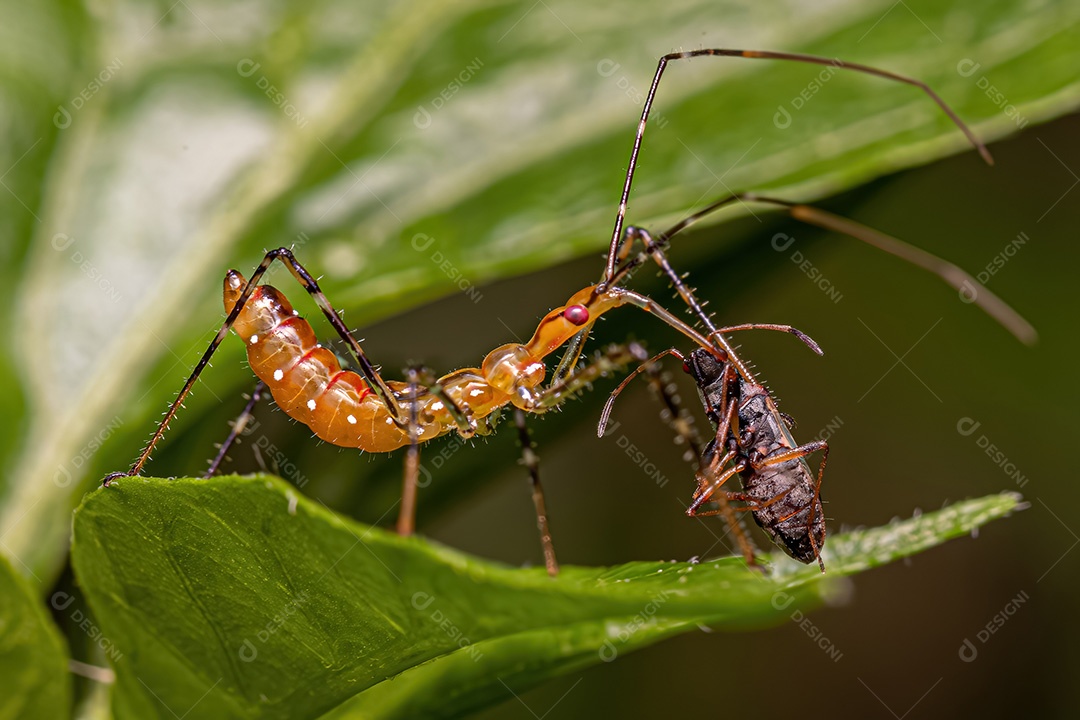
(796, 454)
(605, 414)
(710, 480)
(684, 429)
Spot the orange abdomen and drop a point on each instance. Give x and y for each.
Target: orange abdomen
(306, 380)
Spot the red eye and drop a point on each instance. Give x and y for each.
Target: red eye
(576, 314)
(686, 367)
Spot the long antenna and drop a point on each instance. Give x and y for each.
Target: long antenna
(620, 217)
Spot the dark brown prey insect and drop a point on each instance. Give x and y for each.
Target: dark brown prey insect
(754, 440)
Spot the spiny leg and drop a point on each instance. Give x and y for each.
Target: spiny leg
(406, 523)
(712, 468)
(613, 358)
(813, 507)
(364, 365)
(727, 413)
(705, 492)
(713, 341)
(792, 454)
(685, 430)
(238, 427)
(655, 250)
(616, 235)
(532, 462)
(716, 466)
(623, 296)
(367, 370)
(679, 422)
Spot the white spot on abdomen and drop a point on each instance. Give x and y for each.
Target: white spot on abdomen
(278, 374)
(351, 419)
(310, 404)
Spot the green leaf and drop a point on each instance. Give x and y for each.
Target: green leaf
(34, 679)
(179, 157)
(237, 597)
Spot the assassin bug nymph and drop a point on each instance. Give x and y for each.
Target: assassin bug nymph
(361, 409)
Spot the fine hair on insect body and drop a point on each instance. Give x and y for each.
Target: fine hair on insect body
(359, 408)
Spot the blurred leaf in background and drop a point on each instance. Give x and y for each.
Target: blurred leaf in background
(33, 658)
(148, 147)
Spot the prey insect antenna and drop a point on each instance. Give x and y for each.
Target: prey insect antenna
(606, 361)
(605, 414)
(620, 216)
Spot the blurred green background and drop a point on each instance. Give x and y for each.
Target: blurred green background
(151, 146)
